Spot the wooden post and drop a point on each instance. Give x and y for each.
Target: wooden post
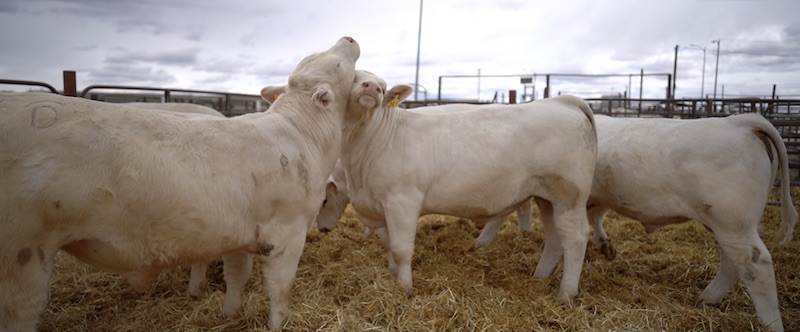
(512, 96)
(70, 86)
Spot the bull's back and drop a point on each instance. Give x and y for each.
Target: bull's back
(685, 164)
(529, 147)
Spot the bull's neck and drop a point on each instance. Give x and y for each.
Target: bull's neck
(367, 136)
(321, 128)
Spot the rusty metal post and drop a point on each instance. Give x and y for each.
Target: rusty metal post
(70, 86)
(512, 96)
(547, 86)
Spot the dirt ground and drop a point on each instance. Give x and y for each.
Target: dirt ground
(343, 284)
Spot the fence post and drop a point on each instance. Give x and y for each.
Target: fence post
(70, 86)
(547, 86)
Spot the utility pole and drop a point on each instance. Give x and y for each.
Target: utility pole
(419, 39)
(716, 69)
(675, 72)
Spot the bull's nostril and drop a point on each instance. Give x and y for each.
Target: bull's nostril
(350, 39)
(365, 84)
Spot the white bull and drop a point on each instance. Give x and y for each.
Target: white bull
(718, 171)
(401, 165)
(198, 284)
(139, 190)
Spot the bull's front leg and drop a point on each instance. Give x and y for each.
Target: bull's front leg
(383, 234)
(237, 268)
(24, 284)
(402, 217)
(281, 247)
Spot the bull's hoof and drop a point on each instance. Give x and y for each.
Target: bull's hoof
(607, 249)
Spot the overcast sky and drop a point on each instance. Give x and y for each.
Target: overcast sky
(241, 46)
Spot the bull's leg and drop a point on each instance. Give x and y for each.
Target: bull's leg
(24, 280)
(489, 231)
(573, 232)
(723, 281)
(552, 247)
(236, 267)
(524, 215)
(383, 233)
(600, 238)
(402, 217)
(753, 264)
(140, 281)
(282, 250)
(197, 280)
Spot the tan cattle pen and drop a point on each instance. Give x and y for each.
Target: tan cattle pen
(343, 285)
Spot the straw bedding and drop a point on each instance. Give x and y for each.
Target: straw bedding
(343, 284)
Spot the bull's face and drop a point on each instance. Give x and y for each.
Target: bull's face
(368, 90)
(328, 75)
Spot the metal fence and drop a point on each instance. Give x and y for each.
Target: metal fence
(784, 114)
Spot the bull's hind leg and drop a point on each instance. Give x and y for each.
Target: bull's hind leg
(489, 231)
(600, 238)
(524, 215)
(280, 250)
(572, 229)
(236, 268)
(753, 263)
(198, 284)
(552, 247)
(723, 281)
(25, 273)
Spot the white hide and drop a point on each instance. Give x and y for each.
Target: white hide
(127, 189)
(337, 199)
(401, 165)
(177, 108)
(198, 284)
(717, 171)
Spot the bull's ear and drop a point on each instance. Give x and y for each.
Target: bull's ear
(270, 93)
(323, 96)
(397, 94)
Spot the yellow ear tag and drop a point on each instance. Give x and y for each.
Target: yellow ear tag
(394, 102)
(275, 96)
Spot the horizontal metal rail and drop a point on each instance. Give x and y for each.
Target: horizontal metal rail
(32, 83)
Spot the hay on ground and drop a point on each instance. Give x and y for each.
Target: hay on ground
(343, 284)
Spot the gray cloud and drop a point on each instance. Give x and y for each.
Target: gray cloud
(134, 74)
(185, 57)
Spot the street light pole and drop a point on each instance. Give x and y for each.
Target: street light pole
(419, 39)
(716, 69)
(703, 79)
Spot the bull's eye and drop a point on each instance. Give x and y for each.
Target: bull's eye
(324, 201)
(338, 65)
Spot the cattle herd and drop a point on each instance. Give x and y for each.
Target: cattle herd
(134, 189)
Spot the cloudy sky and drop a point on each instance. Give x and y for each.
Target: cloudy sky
(241, 46)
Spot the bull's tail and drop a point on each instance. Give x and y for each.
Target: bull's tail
(579, 103)
(789, 215)
(584, 107)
